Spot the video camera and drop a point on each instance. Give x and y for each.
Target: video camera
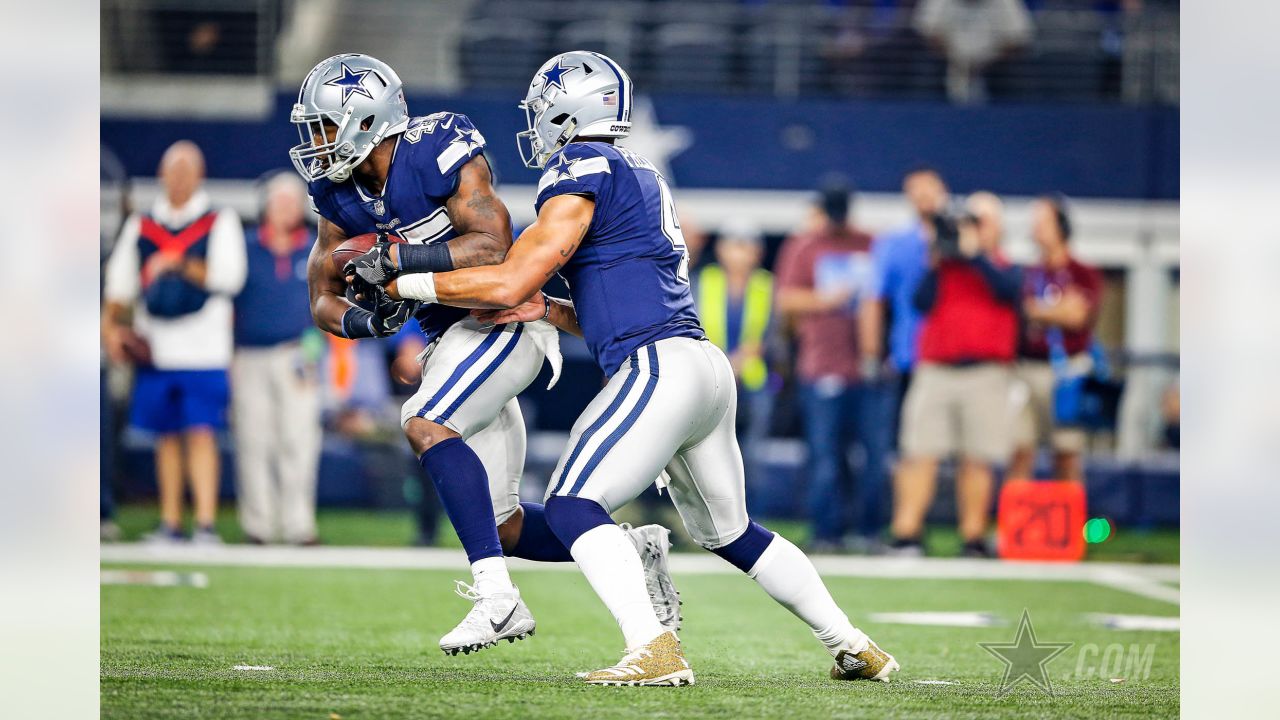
(946, 232)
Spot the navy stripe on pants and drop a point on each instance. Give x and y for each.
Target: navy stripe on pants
(651, 384)
(600, 421)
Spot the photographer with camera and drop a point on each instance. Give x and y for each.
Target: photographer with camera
(958, 403)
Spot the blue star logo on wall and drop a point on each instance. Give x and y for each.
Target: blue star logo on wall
(351, 82)
(554, 75)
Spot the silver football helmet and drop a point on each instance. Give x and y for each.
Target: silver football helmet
(362, 97)
(573, 94)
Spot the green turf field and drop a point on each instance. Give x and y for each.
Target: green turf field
(361, 643)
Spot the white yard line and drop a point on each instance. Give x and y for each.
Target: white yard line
(1145, 580)
(943, 619)
(1136, 622)
(154, 578)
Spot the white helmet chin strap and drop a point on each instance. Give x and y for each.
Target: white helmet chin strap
(343, 170)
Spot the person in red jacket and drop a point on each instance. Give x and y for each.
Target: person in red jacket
(958, 403)
(1060, 301)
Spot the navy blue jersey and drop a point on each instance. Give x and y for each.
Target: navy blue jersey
(629, 279)
(423, 176)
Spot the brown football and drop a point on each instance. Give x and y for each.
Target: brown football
(354, 247)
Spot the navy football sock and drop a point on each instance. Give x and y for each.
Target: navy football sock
(570, 517)
(463, 487)
(747, 549)
(537, 542)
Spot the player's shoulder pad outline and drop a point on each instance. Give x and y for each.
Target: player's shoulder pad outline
(454, 138)
(427, 124)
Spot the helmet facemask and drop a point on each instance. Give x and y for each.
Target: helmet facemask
(535, 149)
(339, 123)
(328, 158)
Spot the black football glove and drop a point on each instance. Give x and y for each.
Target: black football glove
(389, 314)
(375, 267)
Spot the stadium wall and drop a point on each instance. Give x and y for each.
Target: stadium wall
(762, 143)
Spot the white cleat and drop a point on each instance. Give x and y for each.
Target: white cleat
(653, 542)
(500, 616)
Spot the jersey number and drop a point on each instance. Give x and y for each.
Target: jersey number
(671, 228)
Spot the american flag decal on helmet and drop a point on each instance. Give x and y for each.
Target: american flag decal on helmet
(610, 100)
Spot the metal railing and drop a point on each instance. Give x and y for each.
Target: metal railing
(783, 48)
(863, 49)
(190, 37)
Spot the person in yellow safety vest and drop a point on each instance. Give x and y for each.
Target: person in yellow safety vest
(735, 303)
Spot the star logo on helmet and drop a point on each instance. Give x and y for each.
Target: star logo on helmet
(554, 75)
(351, 82)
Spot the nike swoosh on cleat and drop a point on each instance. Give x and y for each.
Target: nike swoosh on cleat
(497, 627)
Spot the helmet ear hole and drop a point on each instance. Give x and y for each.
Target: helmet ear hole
(366, 123)
(559, 119)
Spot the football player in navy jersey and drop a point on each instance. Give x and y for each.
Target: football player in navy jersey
(607, 224)
(371, 168)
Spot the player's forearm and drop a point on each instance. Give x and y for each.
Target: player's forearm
(494, 287)
(564, 316)
(472, 249)
(327, 311)
(478, 248)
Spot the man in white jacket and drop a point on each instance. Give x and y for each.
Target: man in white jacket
(168, 311)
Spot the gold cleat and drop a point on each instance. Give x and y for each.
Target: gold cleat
(870, 664)
(660, 662)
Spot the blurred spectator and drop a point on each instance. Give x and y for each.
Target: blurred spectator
(973, 34)
(108, 530)
(959, 397)
(357, 395)
(108, 435)
(168, 310)
(1060, 297)
(900, 259)
(822, 274)
(695, 239)
(275, 387)
(406, 373)
(1171, 416)
(1116, 16)
(212, 40)
(735, 304)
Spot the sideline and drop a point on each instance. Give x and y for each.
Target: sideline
(1156, 582)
